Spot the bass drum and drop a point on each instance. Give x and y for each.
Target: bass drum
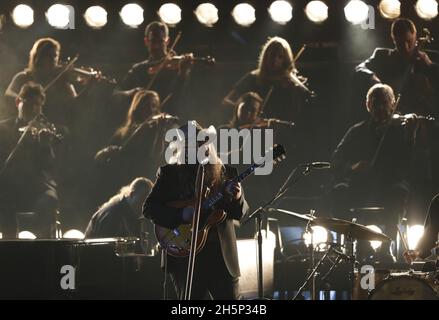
(403, 287)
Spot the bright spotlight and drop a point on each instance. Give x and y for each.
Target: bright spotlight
(132, 15)
(390, 9)
(281, 11)
(244, 14)
(96, 17)
(427, 9)
(58, 16)
(356, 11)
(23, 16)
(414, 234)
(319, 236)
(170, 13)
(207, 14)
(317, 11)
(375, 244)
(73, 234)
(26, 235)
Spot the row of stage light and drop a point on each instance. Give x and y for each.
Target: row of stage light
(356, 12)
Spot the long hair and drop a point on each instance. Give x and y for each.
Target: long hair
(136, 185)
(140, 110)
(41, 47)
(273, 45)
(247, 98)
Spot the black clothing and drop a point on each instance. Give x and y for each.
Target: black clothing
(284, 103)
(419, 93)
(176, 182)
(114, 219)
(167, 84)
(26, 184)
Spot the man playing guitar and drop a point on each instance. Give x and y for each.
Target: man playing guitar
(216, 268)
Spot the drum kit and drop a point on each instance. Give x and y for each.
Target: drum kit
(387, 284)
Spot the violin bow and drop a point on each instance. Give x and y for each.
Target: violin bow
(66, 68)
(162, 65)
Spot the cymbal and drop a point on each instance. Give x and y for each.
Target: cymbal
(353, 230)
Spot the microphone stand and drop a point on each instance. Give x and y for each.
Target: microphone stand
(258, 214)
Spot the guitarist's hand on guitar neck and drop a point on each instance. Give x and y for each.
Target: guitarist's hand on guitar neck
(234, 189)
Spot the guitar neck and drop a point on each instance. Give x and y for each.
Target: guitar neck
(211, 201)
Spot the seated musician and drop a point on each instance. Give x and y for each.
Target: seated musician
(121, 216)
(137, 147)
(216, 267)
(428, 245)
(169, 82)
(371, 161)
(26, 179)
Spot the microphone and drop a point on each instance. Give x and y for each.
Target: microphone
(318, 165)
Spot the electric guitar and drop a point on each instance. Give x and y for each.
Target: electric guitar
(177, 242)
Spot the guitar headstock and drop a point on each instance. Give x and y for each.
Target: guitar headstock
(279, 153)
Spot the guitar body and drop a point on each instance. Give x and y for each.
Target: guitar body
(177, 241)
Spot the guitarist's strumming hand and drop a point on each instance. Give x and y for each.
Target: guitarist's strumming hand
(234, 189)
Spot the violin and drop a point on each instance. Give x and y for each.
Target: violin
(39, 123)
(403, 119)
(173, 63)
(266, 123)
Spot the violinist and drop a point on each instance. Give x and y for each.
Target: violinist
(275, 80)
(27, 156)
(168, 82)
(44, 65)
(372, 160)
(137, 147)
(407, 68)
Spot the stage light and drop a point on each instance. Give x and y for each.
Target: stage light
(23, 16)
(427, 9)
(132, 15)
(356, 11)
(414, 234)
(73, 234)
(96, 17)
(281, 11)
(26, 235)
(375, 244)
(244, 14)
(58, 16)
(170, 13)
(316, 11)
(390, 9)
(207, 14)
(319, 236)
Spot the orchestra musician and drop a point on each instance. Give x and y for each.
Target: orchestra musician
(216, 271)
(275, 80)
(169, 83)
(43, 67)
(27, 156)
(407, 68)
(137, 147)
(372, 160)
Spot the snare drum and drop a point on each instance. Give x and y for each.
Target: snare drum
(404, 287)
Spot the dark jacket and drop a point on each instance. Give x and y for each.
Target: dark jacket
(417, 83)
(115, 219)
(176, 182)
